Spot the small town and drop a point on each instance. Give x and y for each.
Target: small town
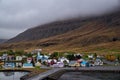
(59, 39)
(19, 59)
(36, 62)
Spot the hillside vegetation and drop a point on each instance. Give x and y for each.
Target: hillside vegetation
(97, 34)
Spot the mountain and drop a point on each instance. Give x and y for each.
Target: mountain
(95, 34)
(47, 30)
(2, 40)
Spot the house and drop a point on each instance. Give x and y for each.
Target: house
(38, 64)
(18, 58)
(63, 59)
(9, 65)
(8, 61)
(41, 57)
(79, 60)
(10, 58)
(74, 64)
(36, 51)
(0, 57)
(91, 62)
(4, 57)
(78, 56)
(28, 64)
(90, 56)
(29, 60)
(98, 62)
(84, 64)
(51, 62)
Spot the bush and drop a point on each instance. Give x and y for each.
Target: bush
(70, 57)
(110, 57)
(118, 57)
(54, 55)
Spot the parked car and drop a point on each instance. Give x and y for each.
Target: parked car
(58, 64)
(98, 62)
(74, 64)
(91, 63)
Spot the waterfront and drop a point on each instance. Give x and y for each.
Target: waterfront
(84, 73)
(11, 75)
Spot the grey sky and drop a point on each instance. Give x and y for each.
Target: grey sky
(19, 15)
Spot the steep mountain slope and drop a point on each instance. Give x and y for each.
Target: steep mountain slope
(47, 30)
(60, 27)
(94, 34)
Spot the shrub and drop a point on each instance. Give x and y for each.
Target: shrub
(110, 57)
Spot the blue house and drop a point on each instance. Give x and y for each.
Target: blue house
(27, 65)
(9, 65)
(41, 57)
(84, 64)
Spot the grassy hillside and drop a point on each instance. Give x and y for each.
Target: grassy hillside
(99, 34)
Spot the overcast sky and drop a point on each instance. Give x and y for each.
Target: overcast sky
(18, 15)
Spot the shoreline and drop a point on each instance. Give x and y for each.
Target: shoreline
(32, 72)
(57, 72)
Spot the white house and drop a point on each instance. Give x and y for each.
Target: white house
(38, 64)
(91, 56)
(63, 59)
(18, 58)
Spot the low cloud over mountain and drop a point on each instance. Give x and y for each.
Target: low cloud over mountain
(19, 15)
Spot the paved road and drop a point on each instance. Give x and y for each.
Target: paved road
(90, 76)
(101, 68)
(44, 74)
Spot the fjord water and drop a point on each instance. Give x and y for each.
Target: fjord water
(90, 76)
(11, 75)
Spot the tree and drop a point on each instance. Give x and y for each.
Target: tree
(10, 52)
(111, 57)
(19, 52)
(78, 57)
(85, 57)
(1, 53)
(54, 55)
(95, 55)
(118, 57)
(28, 55)
(70, 56)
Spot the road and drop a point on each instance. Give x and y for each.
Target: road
(90, 69)
(90, 76)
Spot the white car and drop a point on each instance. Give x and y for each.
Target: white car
(58, 64)
(74, 64)
(98, 62)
